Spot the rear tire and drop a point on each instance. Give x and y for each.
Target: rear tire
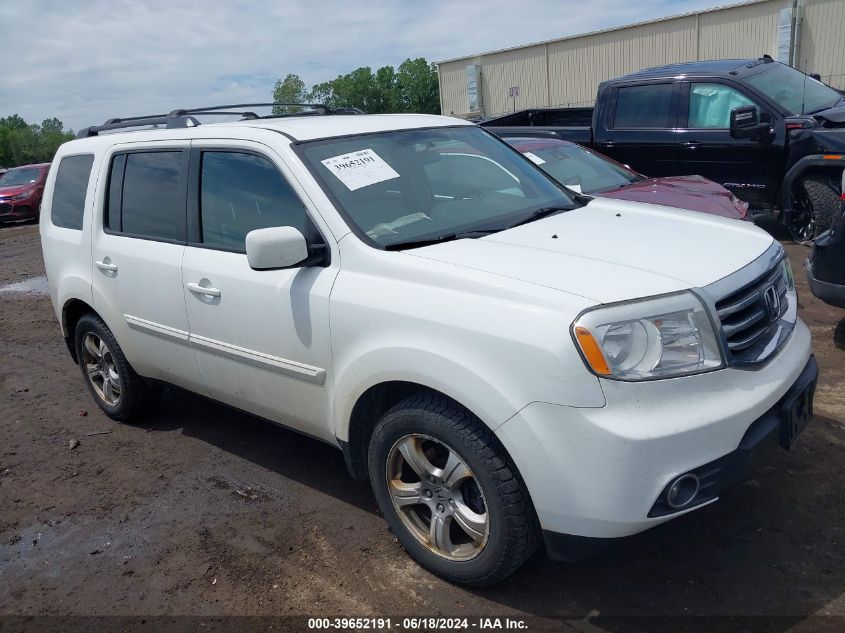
(120, 392)
(458, 504)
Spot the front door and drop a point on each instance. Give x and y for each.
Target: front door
(261, 337)
(747, 167)
(138, 244)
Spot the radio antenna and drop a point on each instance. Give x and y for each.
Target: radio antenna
(804, 94)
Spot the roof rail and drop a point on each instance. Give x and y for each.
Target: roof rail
(186, 117)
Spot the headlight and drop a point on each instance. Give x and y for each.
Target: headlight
(655, 338)
(21, 196)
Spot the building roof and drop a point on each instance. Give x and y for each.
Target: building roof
(591, 33)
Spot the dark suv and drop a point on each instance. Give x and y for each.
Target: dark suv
(21, 189)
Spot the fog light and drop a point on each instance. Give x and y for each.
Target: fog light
(682, 491)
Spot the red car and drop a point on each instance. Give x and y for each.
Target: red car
(21, 189)
(590, 172)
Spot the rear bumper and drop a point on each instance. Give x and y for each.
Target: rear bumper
(833, 294)
(763, 436)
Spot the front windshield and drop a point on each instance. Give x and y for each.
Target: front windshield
(573, 165)
(423, 184)
(794, 91)
(20, 176)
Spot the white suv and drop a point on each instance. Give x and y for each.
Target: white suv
(507, 361)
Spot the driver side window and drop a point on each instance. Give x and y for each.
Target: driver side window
(240, 192)
(710, 105)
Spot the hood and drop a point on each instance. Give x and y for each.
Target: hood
(685, 192)
(835, 114)
(612, 250)
(15, 189)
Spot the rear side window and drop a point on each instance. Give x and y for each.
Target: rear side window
(147, 195)
(240, 192)
(70, 190)
(643, 106)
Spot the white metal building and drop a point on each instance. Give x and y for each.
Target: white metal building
(807, 34)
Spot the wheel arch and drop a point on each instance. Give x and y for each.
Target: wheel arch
(372, 400)
(834, 163)
(366, 412)
(72, 311)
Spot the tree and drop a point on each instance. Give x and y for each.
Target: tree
(386, 96)
(411, 88)
(22, 143)
(418, 87)
(289, 90)
(323, 93)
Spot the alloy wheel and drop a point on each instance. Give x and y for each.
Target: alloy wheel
(437, 497)
(802, 225)
(100, 369)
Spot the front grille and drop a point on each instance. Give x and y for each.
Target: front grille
(5, 208)
(749, 318)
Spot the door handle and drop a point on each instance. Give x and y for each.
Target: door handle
(203, 290)
(608, 143)
(690, 145)
(106, 266)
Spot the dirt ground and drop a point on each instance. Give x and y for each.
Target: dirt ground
(206, 511)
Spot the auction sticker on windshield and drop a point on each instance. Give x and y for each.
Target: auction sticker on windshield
(534, 158)
(360, 169)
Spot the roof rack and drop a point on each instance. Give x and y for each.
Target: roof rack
(186, 117)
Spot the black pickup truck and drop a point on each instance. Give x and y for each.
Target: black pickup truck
(769, 133)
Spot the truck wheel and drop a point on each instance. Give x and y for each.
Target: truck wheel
(450, 493)
(118, 390)
(816, 204)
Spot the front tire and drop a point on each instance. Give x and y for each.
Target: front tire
(816, 204)
(450, 493)
(120, 392)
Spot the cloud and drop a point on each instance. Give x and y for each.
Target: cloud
(89, 60)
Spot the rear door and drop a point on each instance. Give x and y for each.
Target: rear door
(261, 337)
(639, 127)
(747, 167)
(138, 243)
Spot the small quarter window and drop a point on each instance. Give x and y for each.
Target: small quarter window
(70, 190)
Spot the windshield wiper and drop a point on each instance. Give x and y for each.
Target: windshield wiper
(537, 214)
(542, 212)
(448, 237)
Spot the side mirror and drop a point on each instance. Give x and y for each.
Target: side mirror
(275, 247)
(745, 123)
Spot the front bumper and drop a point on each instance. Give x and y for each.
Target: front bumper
(16, 210)
(599, 472)
(832, 294)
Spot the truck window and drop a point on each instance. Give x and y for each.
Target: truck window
(710, 105)
(150, 195)
(70, 190)
(643, 106)
(240, 192)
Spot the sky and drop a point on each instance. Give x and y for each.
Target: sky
(84, 61)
